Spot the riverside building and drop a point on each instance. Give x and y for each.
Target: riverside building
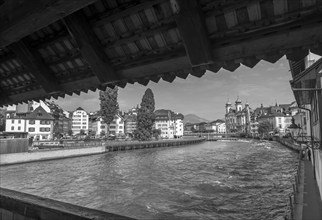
(37, 124)
(169, 123)
(80, 121)
(238, 119)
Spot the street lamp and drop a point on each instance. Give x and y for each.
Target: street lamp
(293, 127)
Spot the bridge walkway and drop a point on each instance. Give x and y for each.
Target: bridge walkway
(312, 203)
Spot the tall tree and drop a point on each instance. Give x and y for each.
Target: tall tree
(145, 117)
(109, 105)
(2, 119)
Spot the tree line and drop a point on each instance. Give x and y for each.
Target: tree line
(145, 118)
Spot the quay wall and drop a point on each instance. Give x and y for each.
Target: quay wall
(288, 144)
(50, 154)
(14, 145)
(6, 159)
(16, 206)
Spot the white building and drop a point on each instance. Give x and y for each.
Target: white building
(170, 123)
(98, 126)
(117, 126)
(221, 127)
(80, 121)
(37, 124)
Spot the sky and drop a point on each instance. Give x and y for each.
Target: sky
(265, 84)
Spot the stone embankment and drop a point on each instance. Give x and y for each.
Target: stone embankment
(289, 144)
(51, 154)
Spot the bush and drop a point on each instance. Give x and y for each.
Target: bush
(87, 138)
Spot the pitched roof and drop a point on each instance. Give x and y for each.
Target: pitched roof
(39, 114)
(80, 108)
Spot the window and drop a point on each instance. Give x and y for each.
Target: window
(279, 120)
(120, 127)
(31, 122)
(19, 121)
(39, 114)
(102, 127)
(19, 128)
(31, 129)
(112, 127)
(12, 121)
(12, 128)
(47, 129)
(84, 126)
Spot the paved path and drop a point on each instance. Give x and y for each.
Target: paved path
(312, 203)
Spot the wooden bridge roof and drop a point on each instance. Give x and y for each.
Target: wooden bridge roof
(49, 48)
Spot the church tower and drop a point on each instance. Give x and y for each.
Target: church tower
(238, 104)
(228, 106)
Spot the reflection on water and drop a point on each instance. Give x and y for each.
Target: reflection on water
(213, 180)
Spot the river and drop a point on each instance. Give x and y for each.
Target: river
(212, 180)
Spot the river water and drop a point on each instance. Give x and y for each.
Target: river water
(212, 180)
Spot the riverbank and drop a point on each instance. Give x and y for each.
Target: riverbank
(288, 144)
(52, 154)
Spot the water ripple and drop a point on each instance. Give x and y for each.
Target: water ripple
(214, 180)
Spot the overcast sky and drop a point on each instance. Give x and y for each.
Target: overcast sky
(205, 96)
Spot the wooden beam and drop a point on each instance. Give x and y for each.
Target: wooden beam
(90, 47)
(119, 13)
(276, 44)
(21, 18)
(33, 62)
(192, 28)
(139, 34)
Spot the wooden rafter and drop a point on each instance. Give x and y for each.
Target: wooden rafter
(140, 34)
(20, 18)
(192, 29)
(259, 47)
(90, 47)
(33, 62)
(108, 16)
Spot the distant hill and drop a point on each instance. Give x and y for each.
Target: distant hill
(192, 118)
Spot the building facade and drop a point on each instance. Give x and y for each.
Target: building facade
(117, 126)
(169, 123)
(37, 124)
(80, 121)
(239, 118)
(130, 124)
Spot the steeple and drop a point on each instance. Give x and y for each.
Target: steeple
(228, 106)
(238, 104)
